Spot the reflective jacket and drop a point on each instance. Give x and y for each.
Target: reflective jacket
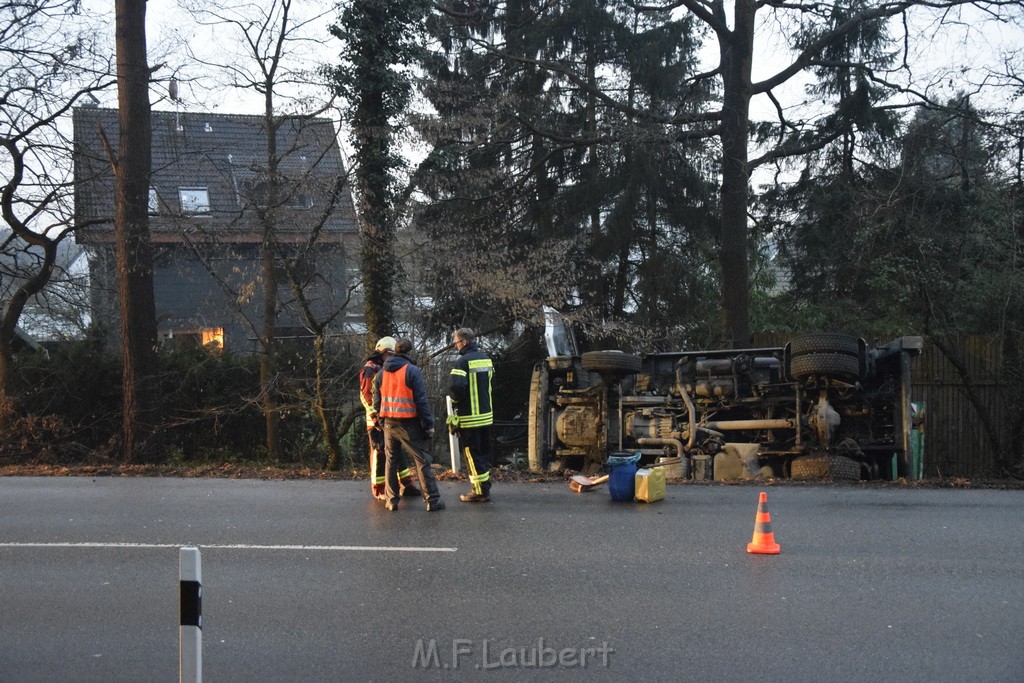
(399, 392)
(470, 387)
(366, 376)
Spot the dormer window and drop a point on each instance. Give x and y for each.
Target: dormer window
(299, 201)
(194, 200)
(256, 192)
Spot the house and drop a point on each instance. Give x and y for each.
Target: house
(211, 199)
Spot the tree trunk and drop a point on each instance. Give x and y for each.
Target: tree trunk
(131, 227)
(268, 383)
(268, 379)
(320, 396)
(736, 52)
(377, 230)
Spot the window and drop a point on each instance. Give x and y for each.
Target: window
(154, 202)
(210, 338)
(194, 200)
(299, 201)
(256, 191)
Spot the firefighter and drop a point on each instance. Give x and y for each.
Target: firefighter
(374, 428)
(470, 389)
(400, 398)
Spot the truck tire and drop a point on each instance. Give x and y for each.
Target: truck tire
(615, 362)
(824, 342)
(537, 454)
(834, 467)
(827, 364)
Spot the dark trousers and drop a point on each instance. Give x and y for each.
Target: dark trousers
(378, 457)
(408, 438)
(477, 441)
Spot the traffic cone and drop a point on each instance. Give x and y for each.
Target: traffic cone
(763, 541)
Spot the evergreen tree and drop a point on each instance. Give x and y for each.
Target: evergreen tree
(542, 192)
(378, 45)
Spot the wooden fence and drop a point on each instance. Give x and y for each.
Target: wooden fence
(971, 410)
(967, 394)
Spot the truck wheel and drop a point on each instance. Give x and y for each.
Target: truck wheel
(537, 421)
(824, 342)
(834, 467)
(610, 362)
(827, 364)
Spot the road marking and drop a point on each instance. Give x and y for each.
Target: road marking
(237, 546)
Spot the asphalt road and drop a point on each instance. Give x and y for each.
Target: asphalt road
(313, 581)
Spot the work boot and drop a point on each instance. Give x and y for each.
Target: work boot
(409, 488)
(435, 507)
(474, 497)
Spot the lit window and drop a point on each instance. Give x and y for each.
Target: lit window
(209, 338)
(194, 199)
(213, 338)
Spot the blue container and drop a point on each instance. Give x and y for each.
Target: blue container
(622, 476)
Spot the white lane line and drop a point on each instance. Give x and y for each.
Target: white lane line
(238, 546)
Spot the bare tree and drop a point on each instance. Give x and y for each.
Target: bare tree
(48, 64)
(275, 47)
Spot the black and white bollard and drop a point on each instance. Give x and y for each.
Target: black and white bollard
(190, 632)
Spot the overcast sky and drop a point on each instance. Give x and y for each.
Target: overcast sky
(944, 62)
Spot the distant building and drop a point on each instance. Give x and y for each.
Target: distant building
(209, 202)
(57, 313)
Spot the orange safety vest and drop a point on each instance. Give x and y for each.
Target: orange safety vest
(396, 399)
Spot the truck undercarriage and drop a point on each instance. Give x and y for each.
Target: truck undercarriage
(824, 404)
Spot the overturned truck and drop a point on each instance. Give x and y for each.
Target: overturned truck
(823, 405)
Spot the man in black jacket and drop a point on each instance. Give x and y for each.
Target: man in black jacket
(470, 390)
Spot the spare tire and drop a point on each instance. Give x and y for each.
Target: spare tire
(610, 362)
(834, 467)
(825, 342)
(826, 364)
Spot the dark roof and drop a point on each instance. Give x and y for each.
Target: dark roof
(227, 155)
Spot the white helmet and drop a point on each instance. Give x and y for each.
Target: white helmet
(385, 344)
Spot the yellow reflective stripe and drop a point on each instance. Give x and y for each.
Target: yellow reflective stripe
(472, 471)
(474, 396)
(482, 365)
(481, 420)
(378, 480)
(486, 476)
(459, 373)
(368, 407)
(405, 473)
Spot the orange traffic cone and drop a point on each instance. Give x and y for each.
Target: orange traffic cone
(764, 540)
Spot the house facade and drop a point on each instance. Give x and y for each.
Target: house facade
(217, 197)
